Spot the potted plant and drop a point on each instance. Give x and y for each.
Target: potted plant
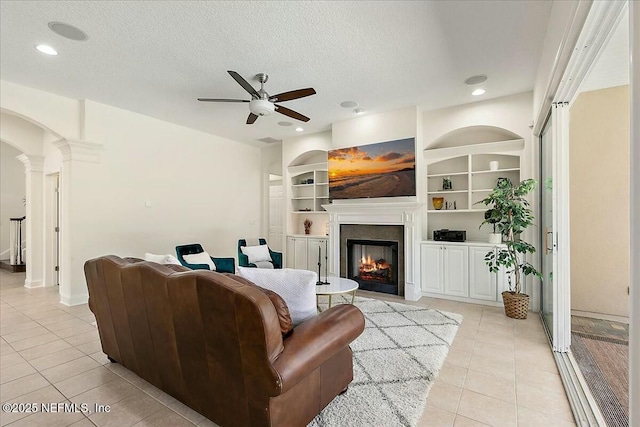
(493, 217)
(509, 203)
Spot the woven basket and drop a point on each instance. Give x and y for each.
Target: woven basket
(516, 306)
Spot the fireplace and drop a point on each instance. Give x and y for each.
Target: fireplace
(373, 256)
(373, 264)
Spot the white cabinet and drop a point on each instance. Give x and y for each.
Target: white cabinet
(431, 268)
(302, 252)
(482, 283)
(456, 271)
(459, 270)
(445, 269)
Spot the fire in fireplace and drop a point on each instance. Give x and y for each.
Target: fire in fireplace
(373, 264)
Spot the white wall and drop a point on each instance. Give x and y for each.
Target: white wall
(12, 191)
(599, 212)
(155, 184)
(199, 188)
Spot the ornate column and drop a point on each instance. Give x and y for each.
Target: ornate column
(77, 160)
(33, 169)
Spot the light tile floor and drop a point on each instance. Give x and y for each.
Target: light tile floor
(498, 372)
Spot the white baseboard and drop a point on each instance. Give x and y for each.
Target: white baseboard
(33, 284)
(601, 316)
(74, 300)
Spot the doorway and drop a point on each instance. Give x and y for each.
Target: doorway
(276, 214)
(52, 230)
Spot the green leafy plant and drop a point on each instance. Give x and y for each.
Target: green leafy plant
(511, 215)
(493, 217)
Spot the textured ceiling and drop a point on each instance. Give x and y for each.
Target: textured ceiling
(156, 58)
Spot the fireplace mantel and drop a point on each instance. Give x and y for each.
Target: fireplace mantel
(380, 213)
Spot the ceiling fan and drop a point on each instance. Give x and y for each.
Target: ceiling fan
(263, 104)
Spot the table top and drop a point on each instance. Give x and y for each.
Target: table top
(337, 285)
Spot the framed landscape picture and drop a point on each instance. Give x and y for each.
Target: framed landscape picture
(384, 169)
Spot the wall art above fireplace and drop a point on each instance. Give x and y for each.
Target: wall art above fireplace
(385, 169)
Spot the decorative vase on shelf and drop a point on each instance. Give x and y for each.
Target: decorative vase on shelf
(307, 226)
(495, 238)
(493, 165)
(437, 202)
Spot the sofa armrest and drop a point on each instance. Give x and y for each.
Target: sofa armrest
(315, 341)
(276, 257)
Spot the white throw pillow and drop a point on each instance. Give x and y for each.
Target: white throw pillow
(296, 287)
(154, 258)
(201, 258)
(170, 259)
(256, 253)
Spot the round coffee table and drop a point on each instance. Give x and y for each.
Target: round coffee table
(336, 286)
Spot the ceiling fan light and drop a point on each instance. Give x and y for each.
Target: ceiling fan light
(261, 107)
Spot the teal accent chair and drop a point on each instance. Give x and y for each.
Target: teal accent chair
(243, 260)
(223, 265)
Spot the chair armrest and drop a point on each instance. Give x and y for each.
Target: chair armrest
(315, 341)
(276, 257)
(225, 265)
(195, 266)
(243, 260)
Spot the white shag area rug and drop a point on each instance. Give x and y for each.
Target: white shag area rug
(395, 362)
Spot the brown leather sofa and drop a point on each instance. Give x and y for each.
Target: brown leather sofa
(215, 342)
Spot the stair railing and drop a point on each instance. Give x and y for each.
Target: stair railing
(15, 241)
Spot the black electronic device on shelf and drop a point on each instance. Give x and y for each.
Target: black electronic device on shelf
(446, 235)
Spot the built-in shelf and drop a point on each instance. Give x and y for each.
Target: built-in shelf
(440, 175)
(447, 191)
(495, 171)
(309, 187)
(455, 210)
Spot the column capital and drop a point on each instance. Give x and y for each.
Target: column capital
(32, 162)
(75, 149)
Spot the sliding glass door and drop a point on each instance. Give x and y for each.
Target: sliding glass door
(546, 223)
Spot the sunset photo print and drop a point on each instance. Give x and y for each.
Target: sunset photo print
(385, 169)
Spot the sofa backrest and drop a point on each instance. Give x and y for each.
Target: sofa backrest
(198, 335)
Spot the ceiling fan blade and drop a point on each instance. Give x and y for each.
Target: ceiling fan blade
(222, 100)
(251, 119)
(293, 94)
(293, 114)
(245, 84)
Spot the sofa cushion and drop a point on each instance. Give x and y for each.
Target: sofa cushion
(296, 287)
(200, 258)
(256, 253)
(286, 325)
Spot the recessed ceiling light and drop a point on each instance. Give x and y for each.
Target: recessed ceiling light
(358, 111)
(285, 123)
(478, 92)
(47, 50)
(68, 31)
(348, 104)
(476, 80)
(299, 129)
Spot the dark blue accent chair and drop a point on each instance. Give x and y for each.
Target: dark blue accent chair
(243, 260)
(223, 265)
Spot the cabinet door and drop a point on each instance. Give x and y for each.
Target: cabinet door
(482, 283)
(431, 268)
(455, 266)
(300, 253)
(316, 247)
